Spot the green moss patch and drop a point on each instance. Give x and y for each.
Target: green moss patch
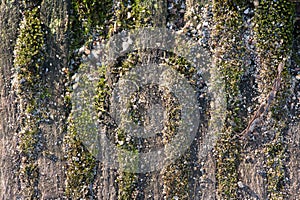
(274, 30)
(81, 166)
(230, 56)
(29, 58)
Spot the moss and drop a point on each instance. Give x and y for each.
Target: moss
(92, 13)
(274, 31)
(274, 37)
(29, 47)
(30, 176)
(29, 58)
(227, 164)
(276, 170)
(87, 19)
(127, 180)
(102, 93)
(80, 165)
(230, 56)
(130, 15)
(28, 142)
(54, 24)
(45, 94)
(127, 15)
(174, 175)
(176, 178)
(80, 162)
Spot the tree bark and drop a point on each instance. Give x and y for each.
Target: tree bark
(254, 46)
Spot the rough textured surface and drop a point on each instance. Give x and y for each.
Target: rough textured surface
(247, 40)
(10, 18)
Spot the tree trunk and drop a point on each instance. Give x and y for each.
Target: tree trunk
(254, 53)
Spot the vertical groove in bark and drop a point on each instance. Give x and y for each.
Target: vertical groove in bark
(159, 13)
(54, 16)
